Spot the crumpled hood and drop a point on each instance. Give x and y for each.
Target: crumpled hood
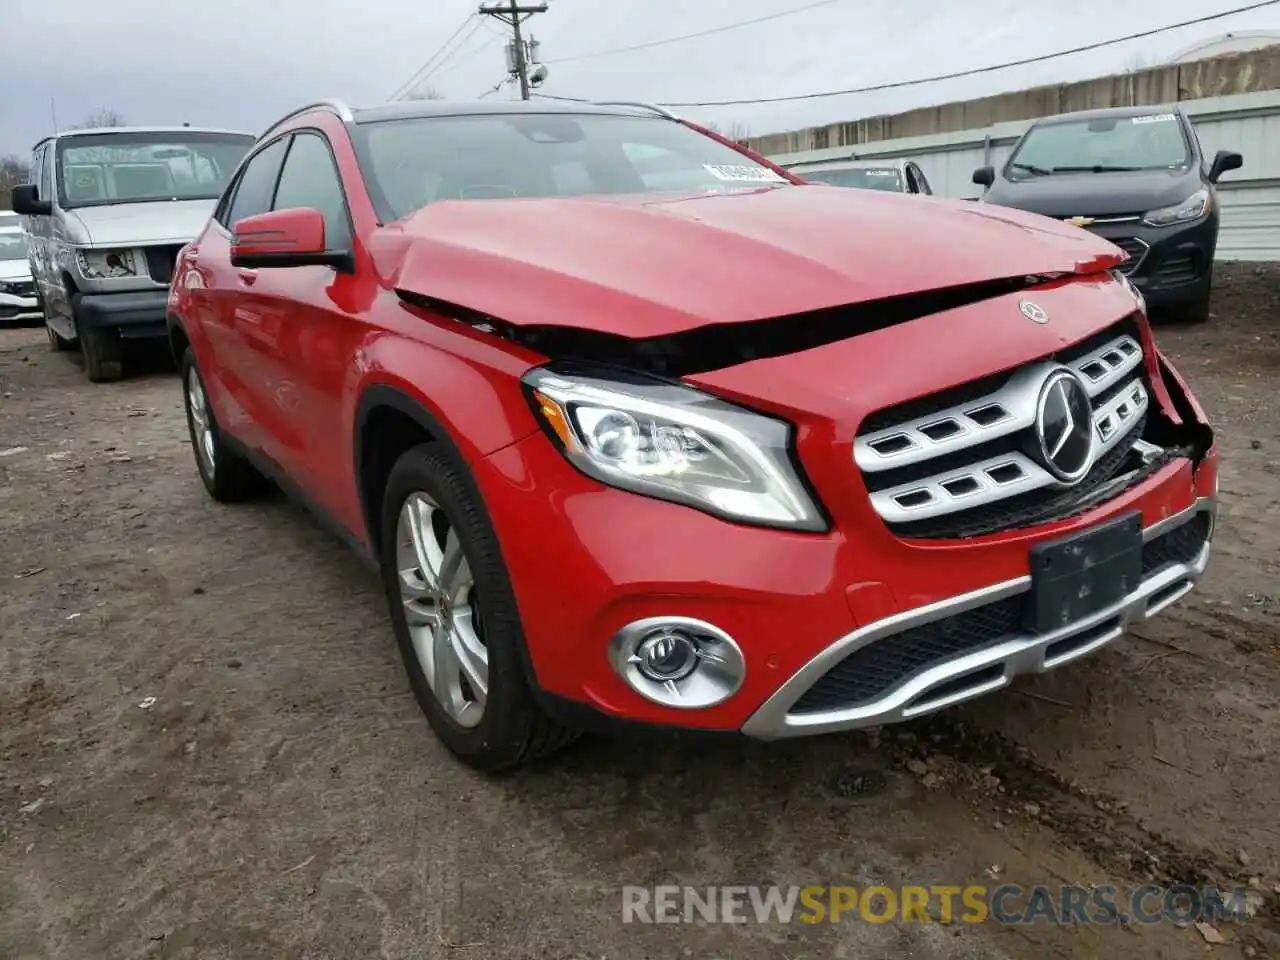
(15, 270)
(142, 224)
(643, 266)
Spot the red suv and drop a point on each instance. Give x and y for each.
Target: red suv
(638, 426)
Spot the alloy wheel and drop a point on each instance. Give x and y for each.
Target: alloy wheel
(442, 609)
(201, 428)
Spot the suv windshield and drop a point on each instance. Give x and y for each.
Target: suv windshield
(102, 168)
(13, 246)
(1151, 142)
(868, 178)
(413, 162)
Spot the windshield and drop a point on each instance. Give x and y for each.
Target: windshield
(13, 246)
(1150, 142)
(102, 168)
(868, 178)
(410, 163)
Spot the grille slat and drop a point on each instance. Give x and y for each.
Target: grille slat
(965, 461)
(880, 667)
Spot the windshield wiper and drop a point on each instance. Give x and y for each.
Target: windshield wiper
(1033, 169)
(1096, 168)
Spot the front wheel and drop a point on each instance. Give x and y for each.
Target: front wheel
(225, 474)
(455, 617)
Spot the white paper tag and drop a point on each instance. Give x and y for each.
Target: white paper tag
(743, 174)
(1155, 118)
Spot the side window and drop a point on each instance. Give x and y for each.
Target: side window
(257, 181)
(912, 186)
(310, 179)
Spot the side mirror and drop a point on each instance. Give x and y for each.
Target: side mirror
(284, 238)
(984, 176)
(1223, 161)
(26, 201)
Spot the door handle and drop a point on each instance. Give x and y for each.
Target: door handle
(247, 277)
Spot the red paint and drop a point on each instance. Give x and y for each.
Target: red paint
(288, 353)
(279, 232)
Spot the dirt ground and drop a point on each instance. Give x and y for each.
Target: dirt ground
(208, 747)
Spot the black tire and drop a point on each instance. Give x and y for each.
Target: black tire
(101, 349)
(230, 478)
(512, 731)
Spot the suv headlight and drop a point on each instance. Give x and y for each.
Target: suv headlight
(106, 264)
(10, 288)
(672, 442)
(1192, 208)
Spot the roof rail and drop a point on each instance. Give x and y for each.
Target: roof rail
(336, 107)
(661, 111)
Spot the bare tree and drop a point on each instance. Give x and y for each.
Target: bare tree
(14, 171)
(736, 131)
(103, 117)
(425, 93)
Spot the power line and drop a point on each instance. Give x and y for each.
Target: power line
(416, 78)
(978, 70)
(694, 36)
(458, 48)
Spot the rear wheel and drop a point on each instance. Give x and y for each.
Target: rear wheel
(226, 475)
(455, 617)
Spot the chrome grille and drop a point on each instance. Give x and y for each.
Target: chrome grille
(975, 452)
(1135, 248)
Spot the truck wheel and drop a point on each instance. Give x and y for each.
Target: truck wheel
(226, 475)
(100, 348)
(455, 615)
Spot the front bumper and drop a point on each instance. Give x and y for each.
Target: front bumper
(19, 308)
(1169, 265)
(796, 605)
(135, 314)
(1175, 554)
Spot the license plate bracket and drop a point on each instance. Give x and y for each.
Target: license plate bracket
(1076, 576)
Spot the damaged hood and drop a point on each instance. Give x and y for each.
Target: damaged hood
(645, 266)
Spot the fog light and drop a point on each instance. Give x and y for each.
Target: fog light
(678, 661)
(667, 655)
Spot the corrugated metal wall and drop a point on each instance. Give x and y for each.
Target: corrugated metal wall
(1249, 197)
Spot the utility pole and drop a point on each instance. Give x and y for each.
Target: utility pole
(513, 14)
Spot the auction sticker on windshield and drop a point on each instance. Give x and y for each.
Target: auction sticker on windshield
(723, 171)
(1155, 118)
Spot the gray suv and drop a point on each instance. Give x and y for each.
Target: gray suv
(106, 216)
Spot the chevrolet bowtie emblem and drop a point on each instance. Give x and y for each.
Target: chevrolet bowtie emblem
(1080, 221)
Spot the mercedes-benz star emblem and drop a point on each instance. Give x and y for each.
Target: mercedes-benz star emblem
(1064, 427)
(1033, 311)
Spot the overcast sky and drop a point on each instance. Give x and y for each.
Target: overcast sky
(243, 63)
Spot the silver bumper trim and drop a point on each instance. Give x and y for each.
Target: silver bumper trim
(1019, 655)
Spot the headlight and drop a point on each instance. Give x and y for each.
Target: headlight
(675, 443)
(1192, 208)
(9, 288)
(1132, 290)
(106, 264)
